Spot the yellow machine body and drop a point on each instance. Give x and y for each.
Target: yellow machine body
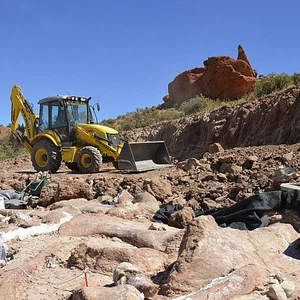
(64, 131)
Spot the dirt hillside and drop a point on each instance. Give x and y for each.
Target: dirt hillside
(271, 120)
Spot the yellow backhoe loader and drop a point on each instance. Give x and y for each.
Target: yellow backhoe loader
(64, 131)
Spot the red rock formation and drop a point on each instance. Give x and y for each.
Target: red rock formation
(221, 78)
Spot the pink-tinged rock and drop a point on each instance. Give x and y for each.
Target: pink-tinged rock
(127, 273)
(64, 190)
(159, 187)
(137, 233)
(104, 259)
(94, 206)
(238, 283)
(78, 203)
(53, 217)
(71, 189)
(125, 198)
(145, 200)
(208, 252)
(110, 293)
(181, 218)
(49, 194)
(143, 206)
(11, 281)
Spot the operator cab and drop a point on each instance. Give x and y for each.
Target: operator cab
(62, 113)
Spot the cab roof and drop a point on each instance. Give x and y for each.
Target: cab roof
(63, 97)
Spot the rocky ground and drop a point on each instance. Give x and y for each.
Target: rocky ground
(108, 222)
(92, 236)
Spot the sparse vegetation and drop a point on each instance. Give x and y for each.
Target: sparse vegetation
(274, 83)
(148, 116)
(142, 118)
(204, 104)
(7, 150)
(296, 78)
(198, 104)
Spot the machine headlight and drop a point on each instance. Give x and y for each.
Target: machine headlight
(113, 139)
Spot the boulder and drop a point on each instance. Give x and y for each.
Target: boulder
(49, 194)
(54, 216)
(125, 291)
(181, 218)
(145, 200)
(78, 203)
(71, 189)
(104, 259)
(276, 292)
(142, 206)
(65, 190)
(221, 78)
(159, 187)
(208, 252)
(237, 285)
(127, 273)
(215, 148)
(136, 233)
(189, 164)
(125, 198)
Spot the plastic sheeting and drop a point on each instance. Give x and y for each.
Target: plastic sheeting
(14, 199)
(246, 214)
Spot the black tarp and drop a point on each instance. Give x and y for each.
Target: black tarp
(246, 214)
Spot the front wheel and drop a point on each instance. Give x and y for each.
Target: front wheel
(45, 156)
(89, 160)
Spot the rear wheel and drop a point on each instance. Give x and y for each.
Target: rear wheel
(89, 160)
(45, 156)
(72, 166)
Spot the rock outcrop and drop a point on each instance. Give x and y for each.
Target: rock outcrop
(211, 258)
(222, 77)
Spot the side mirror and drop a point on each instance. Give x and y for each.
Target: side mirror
(98, 106)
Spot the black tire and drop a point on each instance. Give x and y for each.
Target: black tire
(89, 160)
(72, 166)
(45, 156)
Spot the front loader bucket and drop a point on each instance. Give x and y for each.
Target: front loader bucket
(144, 156)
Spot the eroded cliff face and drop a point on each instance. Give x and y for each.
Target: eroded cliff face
(274, 119)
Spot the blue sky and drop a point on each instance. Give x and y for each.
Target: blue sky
(123, 53)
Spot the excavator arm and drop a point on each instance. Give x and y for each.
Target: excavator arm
(21, 106)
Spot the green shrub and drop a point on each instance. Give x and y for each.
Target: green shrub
(8, 151)
(108, 122)
(296, 78)
(282, 81)
(272, 83)
(198, 104)
(169, 114)
(247, 98)
(142, 118)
